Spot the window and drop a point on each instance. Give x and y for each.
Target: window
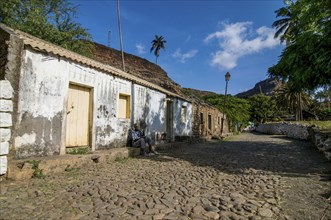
(201, 118)
(124, 106)
(183, 114)
(209, 122)
(219, 120)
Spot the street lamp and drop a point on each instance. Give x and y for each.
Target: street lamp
(227, 78)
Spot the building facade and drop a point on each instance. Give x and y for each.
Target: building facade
(57, 99)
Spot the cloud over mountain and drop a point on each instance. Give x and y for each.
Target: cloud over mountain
(239, 39)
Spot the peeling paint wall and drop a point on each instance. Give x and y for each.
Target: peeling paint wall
(43, 93)
(182, 127)
(111, 131)
(149, 110)
(42, 106)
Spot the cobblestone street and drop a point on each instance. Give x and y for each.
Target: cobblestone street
(249, 176)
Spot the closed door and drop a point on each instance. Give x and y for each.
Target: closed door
(169, 123)
(78, 116)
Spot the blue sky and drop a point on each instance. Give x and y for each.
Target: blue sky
(205, 39)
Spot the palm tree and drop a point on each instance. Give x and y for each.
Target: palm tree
(157, 44)
(286, 26)
(289, 98)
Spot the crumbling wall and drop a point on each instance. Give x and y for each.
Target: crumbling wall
(200, 123)
(10, 58)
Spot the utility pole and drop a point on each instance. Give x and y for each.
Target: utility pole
(109, 32)
(120, 30)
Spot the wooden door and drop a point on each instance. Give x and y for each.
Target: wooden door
(169, 118)
(78, 116)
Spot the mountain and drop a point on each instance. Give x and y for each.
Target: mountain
(266, 87)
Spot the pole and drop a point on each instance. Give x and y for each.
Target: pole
(109, 32)
(120, 30)
(223, 118)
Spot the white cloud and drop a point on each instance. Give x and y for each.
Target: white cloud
(140, 48)
(182, 57)
(188, 39)
(235, 41)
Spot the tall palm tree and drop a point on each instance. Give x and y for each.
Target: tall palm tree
(289, 98)
(286, 26)
(157, 44)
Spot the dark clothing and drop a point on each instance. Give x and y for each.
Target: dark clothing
(139, 140)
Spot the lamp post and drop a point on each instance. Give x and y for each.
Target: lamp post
(227, 78)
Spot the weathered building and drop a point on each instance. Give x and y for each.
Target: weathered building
(206, 121)
(58, 99)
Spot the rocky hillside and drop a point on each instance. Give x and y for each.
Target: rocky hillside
(197, 93)
(266, 87)
(137, 66)
(153, 73)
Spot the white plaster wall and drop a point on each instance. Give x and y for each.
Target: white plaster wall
(111, 130)
(182, 128)
(149, 109)
(43, 93)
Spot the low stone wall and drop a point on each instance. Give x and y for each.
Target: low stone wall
(292, 130)
(320, 139)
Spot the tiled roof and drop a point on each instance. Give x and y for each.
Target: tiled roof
(43, 45)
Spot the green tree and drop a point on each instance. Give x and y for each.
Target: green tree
(287, 25)
(306, 61)
(262, 108)
(288, 98)
(237, 110)
(157, 44)
(51, 20)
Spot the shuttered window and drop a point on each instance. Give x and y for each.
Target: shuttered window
(124, 106)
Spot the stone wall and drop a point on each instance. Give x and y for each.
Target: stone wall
(6, 109)
(292, 130)
(320, 139)
(200, 124)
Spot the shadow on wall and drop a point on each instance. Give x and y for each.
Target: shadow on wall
(152, 120)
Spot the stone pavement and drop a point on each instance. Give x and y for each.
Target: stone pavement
(249, 176)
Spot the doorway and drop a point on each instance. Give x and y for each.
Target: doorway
(79, 117)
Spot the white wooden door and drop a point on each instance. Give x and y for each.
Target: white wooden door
(78, 116)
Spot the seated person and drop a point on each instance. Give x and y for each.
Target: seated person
(140, 140)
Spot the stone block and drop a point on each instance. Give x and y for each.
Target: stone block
(6, 90)
(5, 120)
(6, 105)
(3, 165)
(4, 148)
(5, 134)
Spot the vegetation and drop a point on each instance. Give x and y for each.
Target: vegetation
(262, 108)
(157, 44)
(292, 101)
(306, 27)
(51, 20)
(37, 173)
(236, 110)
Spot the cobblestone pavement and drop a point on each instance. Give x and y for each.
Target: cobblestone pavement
(249, 176)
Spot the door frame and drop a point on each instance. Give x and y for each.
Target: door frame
(91, 117)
